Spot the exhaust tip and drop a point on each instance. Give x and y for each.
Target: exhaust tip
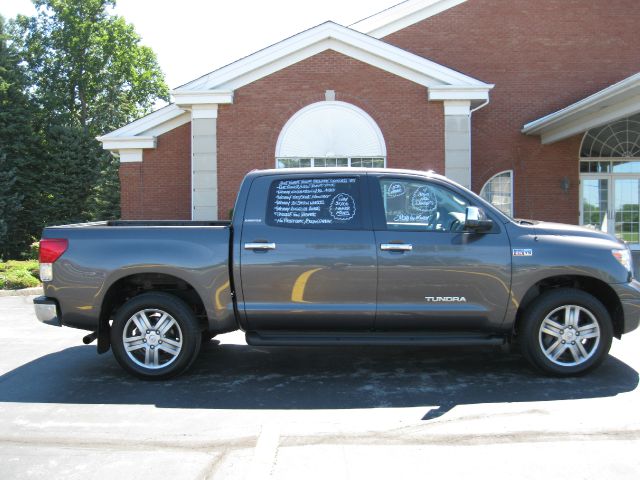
(87, 339)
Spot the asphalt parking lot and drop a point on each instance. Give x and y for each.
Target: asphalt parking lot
(315, 413)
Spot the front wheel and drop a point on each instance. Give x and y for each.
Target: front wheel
(155, 336)
(566, 332)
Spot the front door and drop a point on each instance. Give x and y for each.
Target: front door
(610, 203)
(308, 260)
(432, 275)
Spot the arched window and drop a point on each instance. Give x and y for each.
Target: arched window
(331, 134)
(619, 139)
(499, 191)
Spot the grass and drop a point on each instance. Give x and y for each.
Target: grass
(16, 274)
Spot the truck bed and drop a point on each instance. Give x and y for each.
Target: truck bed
(101, 259)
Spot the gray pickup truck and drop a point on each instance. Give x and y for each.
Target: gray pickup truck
(341, 257)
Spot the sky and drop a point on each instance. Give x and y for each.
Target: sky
(194, 37)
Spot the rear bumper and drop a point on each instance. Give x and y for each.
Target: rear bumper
(629, 295)
(47, 311)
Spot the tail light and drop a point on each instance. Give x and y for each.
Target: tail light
(50, 250)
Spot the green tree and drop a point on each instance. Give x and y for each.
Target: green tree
(10, 201)
(18, 150)
(68, 74)
(73, 163)
(87, 66)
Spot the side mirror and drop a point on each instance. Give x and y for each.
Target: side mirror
(475, 219)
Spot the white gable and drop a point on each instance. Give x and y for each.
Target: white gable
(330, 36)
(202, 95)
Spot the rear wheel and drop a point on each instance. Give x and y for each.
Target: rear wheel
(155, 336)
(566, 332)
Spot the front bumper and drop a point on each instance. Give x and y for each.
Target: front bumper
(629, 295)
(47, 311)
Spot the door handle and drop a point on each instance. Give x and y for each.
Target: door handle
(398, 247)
(260, 246)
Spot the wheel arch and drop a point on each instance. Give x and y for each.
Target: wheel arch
(593, 286)
(130, 286)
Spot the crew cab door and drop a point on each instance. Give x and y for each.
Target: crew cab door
(308, 257)
(433, 275)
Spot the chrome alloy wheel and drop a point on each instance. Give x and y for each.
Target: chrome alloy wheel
(152, 338)
(569, 335)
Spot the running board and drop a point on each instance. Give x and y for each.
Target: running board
(311, 339)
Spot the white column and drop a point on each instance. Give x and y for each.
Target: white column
(457, 141)
(204, 165)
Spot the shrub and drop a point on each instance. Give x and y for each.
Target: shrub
(16, 274)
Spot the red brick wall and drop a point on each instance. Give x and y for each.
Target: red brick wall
(248, 129)
(159, 187)
(542, 55)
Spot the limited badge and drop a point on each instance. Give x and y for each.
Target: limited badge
(522, 252)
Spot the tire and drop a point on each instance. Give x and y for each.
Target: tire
(155, 354)
(566, 332)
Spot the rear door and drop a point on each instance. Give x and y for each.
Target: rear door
(432, 275)
(308, 258)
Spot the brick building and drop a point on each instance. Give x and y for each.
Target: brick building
(535, 105)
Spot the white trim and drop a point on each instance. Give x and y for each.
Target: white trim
(186, 98)
(204, 111)
(120, 143)
(613, 103)
(133, 155)
(143, 132)
(324, 104)
(332, 36)
(402, 15)
(457, 107)
(137, 127)
(168, 125)
(453, 92)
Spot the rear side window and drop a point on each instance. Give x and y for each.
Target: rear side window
(322, 202)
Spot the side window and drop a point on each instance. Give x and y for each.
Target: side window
(418, 205)
(322, 202)
(499, 192)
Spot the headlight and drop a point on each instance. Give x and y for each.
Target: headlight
(623, 255)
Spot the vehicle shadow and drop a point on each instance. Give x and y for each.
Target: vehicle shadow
(245, 377)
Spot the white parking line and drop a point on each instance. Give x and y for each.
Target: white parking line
(266, 451)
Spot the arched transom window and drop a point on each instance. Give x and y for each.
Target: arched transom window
(620, 139)
(331, 134)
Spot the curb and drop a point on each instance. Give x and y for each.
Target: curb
(24, 292)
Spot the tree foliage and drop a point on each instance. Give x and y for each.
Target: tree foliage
(71, 72)
(18, 148)
(88, 66)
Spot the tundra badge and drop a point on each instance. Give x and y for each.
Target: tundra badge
(445, 299)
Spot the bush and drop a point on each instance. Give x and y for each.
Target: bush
(34, 251)
(19, 274)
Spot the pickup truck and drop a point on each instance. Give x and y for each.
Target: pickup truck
(316, 257)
